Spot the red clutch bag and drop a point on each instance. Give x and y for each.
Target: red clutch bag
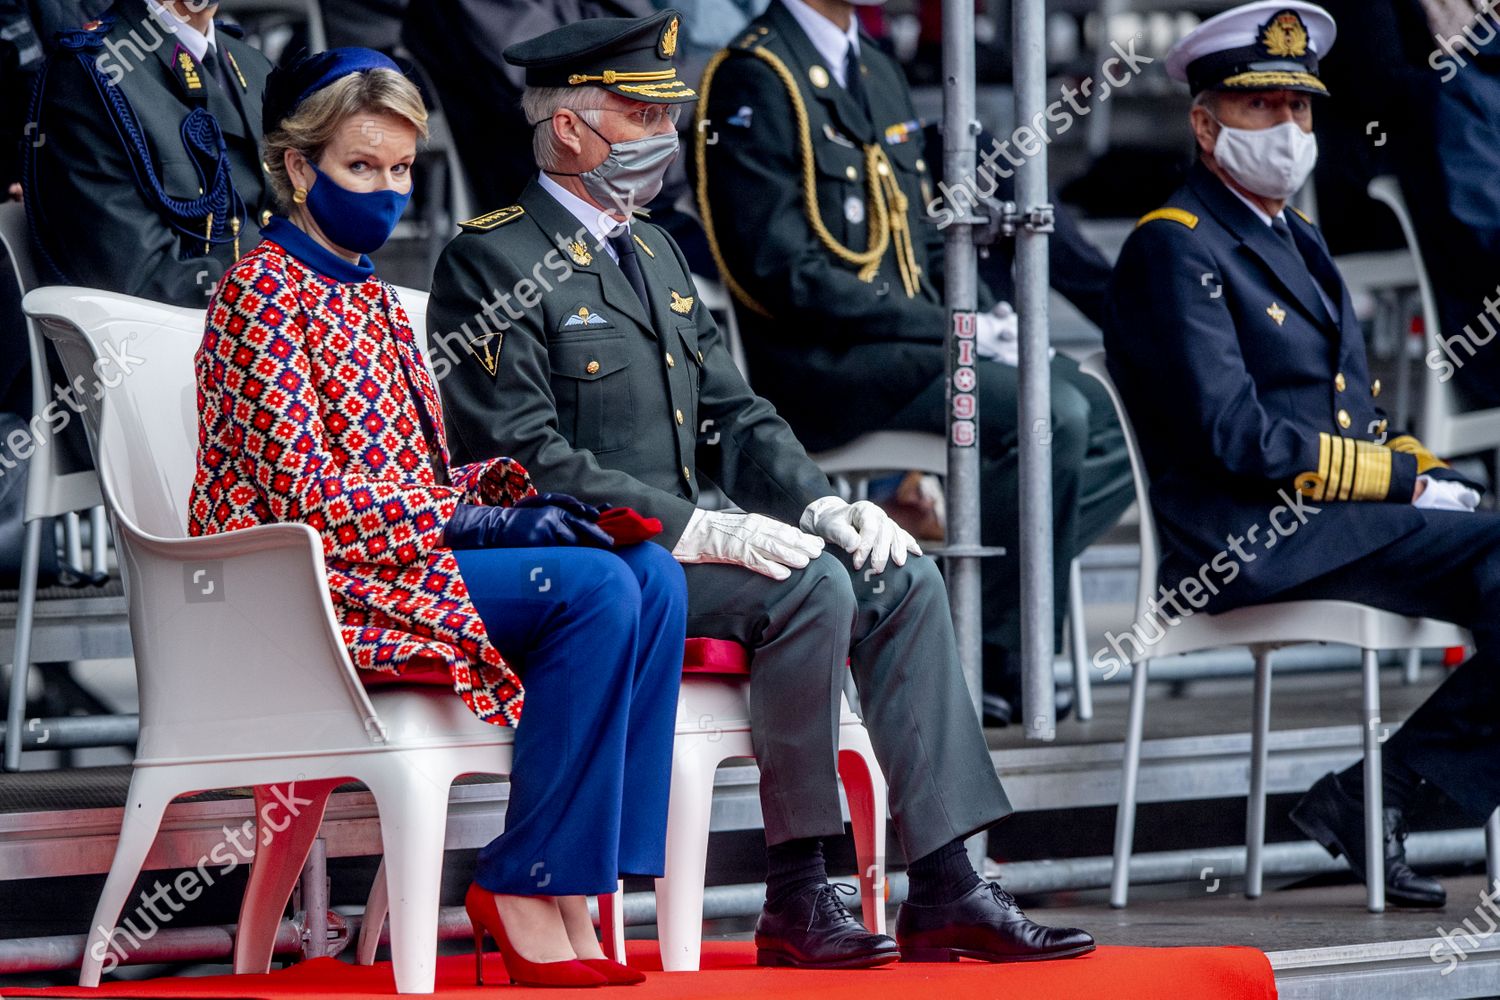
(627, 527)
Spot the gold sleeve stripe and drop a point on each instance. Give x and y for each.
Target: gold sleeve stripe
(1426, 460)
(1347, 470)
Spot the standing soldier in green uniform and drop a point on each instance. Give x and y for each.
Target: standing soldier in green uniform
(145, 175)
(812, 187)
(607, 378)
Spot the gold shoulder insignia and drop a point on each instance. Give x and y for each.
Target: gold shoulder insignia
(1174, 214)
(1302, 215)
(642, 244)
(493, 220)
(753, 37)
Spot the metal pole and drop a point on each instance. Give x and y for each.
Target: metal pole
(1038, 692)
(961, 290)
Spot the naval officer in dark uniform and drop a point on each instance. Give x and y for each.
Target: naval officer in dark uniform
(824, 219)
(1234, 342)
(607, 377)
(148, 179)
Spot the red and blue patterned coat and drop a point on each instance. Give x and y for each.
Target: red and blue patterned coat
(304, 415)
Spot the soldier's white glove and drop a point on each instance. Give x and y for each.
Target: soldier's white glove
(1445, 494)
(1447, 18)
(753, 541)
(861, 529)
(995, 334)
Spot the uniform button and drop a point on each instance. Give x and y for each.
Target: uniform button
(265, 217)
(671, 361)
(921, 165)
(1381, 428)
(1344, 420)
(680, 418)
(592, 368)
(700, 357)
(1338, 382)
(686, 473)
(849, 172)
(1375, 387)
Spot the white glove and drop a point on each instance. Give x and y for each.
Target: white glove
(1445, 494)
(753, 541)
(995, 334)
(1447, 18)
(861, 529)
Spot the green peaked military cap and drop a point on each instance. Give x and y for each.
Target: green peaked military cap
(629, 56)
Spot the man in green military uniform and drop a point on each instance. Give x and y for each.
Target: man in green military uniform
(814, 192)
(608, 379)
(144, 176)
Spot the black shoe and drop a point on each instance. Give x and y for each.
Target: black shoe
(813, 930)
(1336, 820)
(999, 710)
(986, 924)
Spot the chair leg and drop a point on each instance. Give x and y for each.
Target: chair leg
(98, 541)
(147, 801)
(371, 924)
(20, 663)
(413, 818)
(73, 541)
(1083, 690)
(612, 923)
(1119, 883)
(280, 855)
(1255, 804)
(1492, 848)
(679, 893)
(864, 788)
(1374, 802)
(1411, 671)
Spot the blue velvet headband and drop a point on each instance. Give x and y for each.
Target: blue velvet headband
(289, 86)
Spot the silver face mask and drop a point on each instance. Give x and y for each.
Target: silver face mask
(631, 175)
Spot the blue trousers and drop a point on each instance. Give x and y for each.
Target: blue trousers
(597, 639)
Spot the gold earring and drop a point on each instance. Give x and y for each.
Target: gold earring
(299, 196)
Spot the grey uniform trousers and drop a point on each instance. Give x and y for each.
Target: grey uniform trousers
(894, 630)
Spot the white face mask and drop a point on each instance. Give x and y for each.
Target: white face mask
(1271, 162)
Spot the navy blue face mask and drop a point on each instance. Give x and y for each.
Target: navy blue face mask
(360, 221)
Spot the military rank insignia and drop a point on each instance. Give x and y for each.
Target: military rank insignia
(1277, 313)
(1285, 35)
(580, 253)
(583, 317)
(682, 305)
(669, 39)
(188, 70)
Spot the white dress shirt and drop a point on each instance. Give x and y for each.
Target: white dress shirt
(196, 42)
(599, 223)
(832, 42)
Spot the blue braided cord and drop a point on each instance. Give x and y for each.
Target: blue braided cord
(200, 134)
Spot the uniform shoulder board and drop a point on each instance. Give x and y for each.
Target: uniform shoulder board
(493, 220)
(232, 30)
(89, 36)
(754, 37)
(1174, 214)
(1302, 215)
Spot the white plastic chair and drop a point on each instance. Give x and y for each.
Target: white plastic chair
(243, 676)
(1447, 429)
(50, 492)
(1264, 628)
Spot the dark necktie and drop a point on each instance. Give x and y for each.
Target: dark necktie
(631, 264)
(854, 82)
(1317, 264)
(1284, 232)
(216, 68)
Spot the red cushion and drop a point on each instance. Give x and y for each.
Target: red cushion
(715, 656)
(701, 656)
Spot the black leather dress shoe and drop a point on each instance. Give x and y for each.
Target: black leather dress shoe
(813, 930)
(986, 924)
(1336, 820)
(1000, 710)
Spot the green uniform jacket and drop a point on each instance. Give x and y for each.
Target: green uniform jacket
(810, 323)
(545, 355)
(125, 209)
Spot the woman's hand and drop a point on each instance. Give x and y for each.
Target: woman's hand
(533, 525)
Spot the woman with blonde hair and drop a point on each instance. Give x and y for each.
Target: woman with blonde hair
(315, 406)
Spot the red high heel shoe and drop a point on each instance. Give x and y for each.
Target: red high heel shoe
(485, 916)
(614, 973)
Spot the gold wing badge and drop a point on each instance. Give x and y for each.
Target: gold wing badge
(682, 305)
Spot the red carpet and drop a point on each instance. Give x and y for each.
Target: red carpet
(729, 971)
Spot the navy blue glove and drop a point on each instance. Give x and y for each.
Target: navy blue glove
(571, 504)
(522, 526)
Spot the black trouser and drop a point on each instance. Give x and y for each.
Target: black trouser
(1449, 569)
